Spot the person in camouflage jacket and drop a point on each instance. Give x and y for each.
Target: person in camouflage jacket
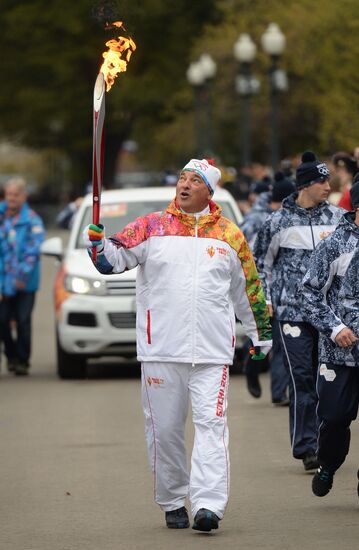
(255, 218)
(331, 303)
(266, 204)
(349, 296)
(282, 251)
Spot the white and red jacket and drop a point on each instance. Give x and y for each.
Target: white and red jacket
(194, 275)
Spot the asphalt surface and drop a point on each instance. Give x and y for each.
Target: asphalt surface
(74, 471)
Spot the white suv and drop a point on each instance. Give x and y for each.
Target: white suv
(95, 313)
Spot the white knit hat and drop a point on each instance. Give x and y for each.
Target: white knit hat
(206, 169)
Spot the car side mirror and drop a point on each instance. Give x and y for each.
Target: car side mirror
(52, 247)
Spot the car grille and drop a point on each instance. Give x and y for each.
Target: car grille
(82, 319)
(123, 320)
(120, 287)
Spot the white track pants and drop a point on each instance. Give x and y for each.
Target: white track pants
(166, 389)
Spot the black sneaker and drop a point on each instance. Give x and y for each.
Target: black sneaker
(11, 365)
(253, 385)
(310, 462)
(22, 368)
(322, 482)
(177, 519)
(283, 402)
(205, 520)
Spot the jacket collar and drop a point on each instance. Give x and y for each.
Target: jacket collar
(215, 212)
(21, 217)
(347, 223)
(290, 204)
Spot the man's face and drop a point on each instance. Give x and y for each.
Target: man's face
(252, 197)
(343, 174)
(192, 193)
(15, 197)
(318, 192)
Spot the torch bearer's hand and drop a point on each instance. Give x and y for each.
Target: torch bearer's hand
(258, 353)
(93, 235)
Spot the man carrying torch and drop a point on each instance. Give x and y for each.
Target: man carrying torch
(195, 273)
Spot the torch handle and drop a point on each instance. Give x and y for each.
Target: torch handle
(96, 221)
(98, 150)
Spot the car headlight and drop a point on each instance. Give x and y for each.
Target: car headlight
(82, 285)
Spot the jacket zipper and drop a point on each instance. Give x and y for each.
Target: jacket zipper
(311, 229)
(194, 301)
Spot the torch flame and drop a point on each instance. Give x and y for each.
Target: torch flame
(113, 63)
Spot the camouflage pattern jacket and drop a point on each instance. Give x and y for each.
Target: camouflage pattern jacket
(283, 248)
(349, 296)
(254, 220)
(331, 290)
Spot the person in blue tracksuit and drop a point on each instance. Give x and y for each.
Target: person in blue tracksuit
(331, 302)
(21, 235)
(282, 251)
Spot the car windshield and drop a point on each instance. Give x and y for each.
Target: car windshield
(117, 215)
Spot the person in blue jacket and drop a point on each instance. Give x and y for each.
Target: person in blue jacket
(282, 251)
(331, 303)
(21, 235)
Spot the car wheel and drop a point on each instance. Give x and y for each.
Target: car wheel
(70, 365)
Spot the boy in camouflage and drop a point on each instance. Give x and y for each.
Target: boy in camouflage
(282, 251)
(331, 301)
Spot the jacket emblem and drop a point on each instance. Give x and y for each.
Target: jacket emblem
(156, 382)
(324, 234)
(210, 251)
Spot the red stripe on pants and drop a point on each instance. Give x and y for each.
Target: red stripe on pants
(148, 326)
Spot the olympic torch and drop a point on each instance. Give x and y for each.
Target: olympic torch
(113, 65)
(97, 149)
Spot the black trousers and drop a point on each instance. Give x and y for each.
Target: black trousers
(18, 308)
(338, 394)
(278, 371)
(300, 346)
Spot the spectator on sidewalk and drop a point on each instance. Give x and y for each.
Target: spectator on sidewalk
(22, 233)
(345, 168)
(65, 218)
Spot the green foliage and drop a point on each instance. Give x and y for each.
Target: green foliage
(51, 54)
(319, 110)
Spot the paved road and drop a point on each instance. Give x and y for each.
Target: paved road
(74, 472)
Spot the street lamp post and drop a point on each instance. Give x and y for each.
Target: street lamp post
(200, 74)
(195, 78)
(273, 43)
(246, 85)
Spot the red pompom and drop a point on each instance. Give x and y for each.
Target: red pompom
(210, 161)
